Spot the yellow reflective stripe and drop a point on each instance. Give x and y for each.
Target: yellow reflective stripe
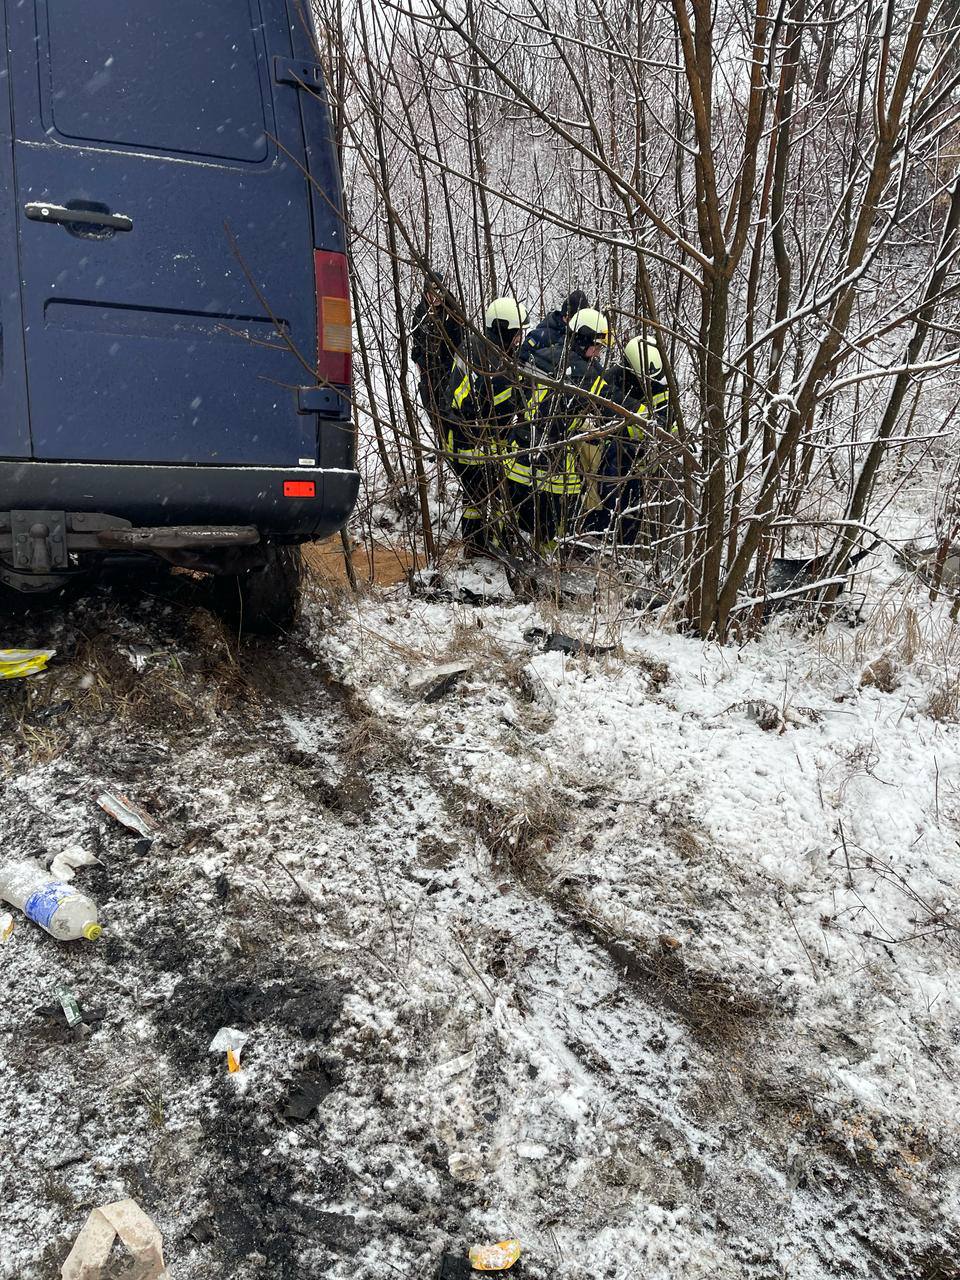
(469, 457)
(462, 391)
(518, 472)
(535, 401)
(660, 398)
(598, 385)
(567, 482)
(503, 395)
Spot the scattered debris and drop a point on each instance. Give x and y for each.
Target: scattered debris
(938, 564)
(6, 926)
(202, 1231)
(557, 642)
(434, 683)
(126, 1220)
(64, 912)
(881, 674)
(306, 1093)
(43, 714)
(479, 582)
(140, 655)
(15, 663)
(642, 598)
(766, 714)
(230, 1041)
(71, 860)
(133, 817)
(70, 1006)
(495, 1257)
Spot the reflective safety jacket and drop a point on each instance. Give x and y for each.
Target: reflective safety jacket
(550, 417)
(650, 399)
(481, 399)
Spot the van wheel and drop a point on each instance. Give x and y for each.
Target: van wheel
(260, 601)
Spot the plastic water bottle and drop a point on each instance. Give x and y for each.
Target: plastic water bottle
(65, 912)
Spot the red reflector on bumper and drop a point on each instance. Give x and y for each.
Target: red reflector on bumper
(299, 489)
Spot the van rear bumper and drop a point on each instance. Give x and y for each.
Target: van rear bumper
(199, 495)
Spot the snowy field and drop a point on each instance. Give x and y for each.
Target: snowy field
(648, 958)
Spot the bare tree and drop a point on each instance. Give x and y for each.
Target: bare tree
(769, 189)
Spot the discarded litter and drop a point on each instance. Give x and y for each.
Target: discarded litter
(133, 817)
(495, 1257)
(70, 1006)
(202, 1231)
(67, 863)
(230, 1041)
(557, 642)
(90, 1254)
(15, 663)
(433, 683)
(6, 926)
(63, 911)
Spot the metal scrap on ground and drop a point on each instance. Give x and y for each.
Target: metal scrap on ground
(131, 815)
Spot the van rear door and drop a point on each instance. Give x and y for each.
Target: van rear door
(158, 320)
(14, 423)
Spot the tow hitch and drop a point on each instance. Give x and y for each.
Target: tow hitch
(38, 549)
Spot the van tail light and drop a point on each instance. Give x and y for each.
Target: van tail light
(334, 328)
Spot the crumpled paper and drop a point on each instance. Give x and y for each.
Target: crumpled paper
(69, 861)
(123, 1218)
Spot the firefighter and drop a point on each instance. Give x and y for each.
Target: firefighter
(638, 385)
(553, 327)
(543, 478)
(480, 400)
(435, 335)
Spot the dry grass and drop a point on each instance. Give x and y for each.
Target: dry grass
(944, 702)
(176, 670)
(902, 636)
(518, 838)
(881, 674)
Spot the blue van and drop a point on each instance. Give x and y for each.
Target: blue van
(175, 328)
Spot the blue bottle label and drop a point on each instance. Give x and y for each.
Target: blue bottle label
(42, 906)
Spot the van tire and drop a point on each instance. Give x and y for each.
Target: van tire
(263, 600)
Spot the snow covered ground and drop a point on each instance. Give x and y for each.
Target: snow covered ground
(649, 958)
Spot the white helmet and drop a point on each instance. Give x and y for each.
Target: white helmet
(589, 323)
(644, 358)
(505, 313)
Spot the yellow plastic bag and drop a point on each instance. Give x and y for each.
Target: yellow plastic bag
(494, 1257)
(23, 662)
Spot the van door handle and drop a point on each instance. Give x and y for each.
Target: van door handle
(40, 211)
